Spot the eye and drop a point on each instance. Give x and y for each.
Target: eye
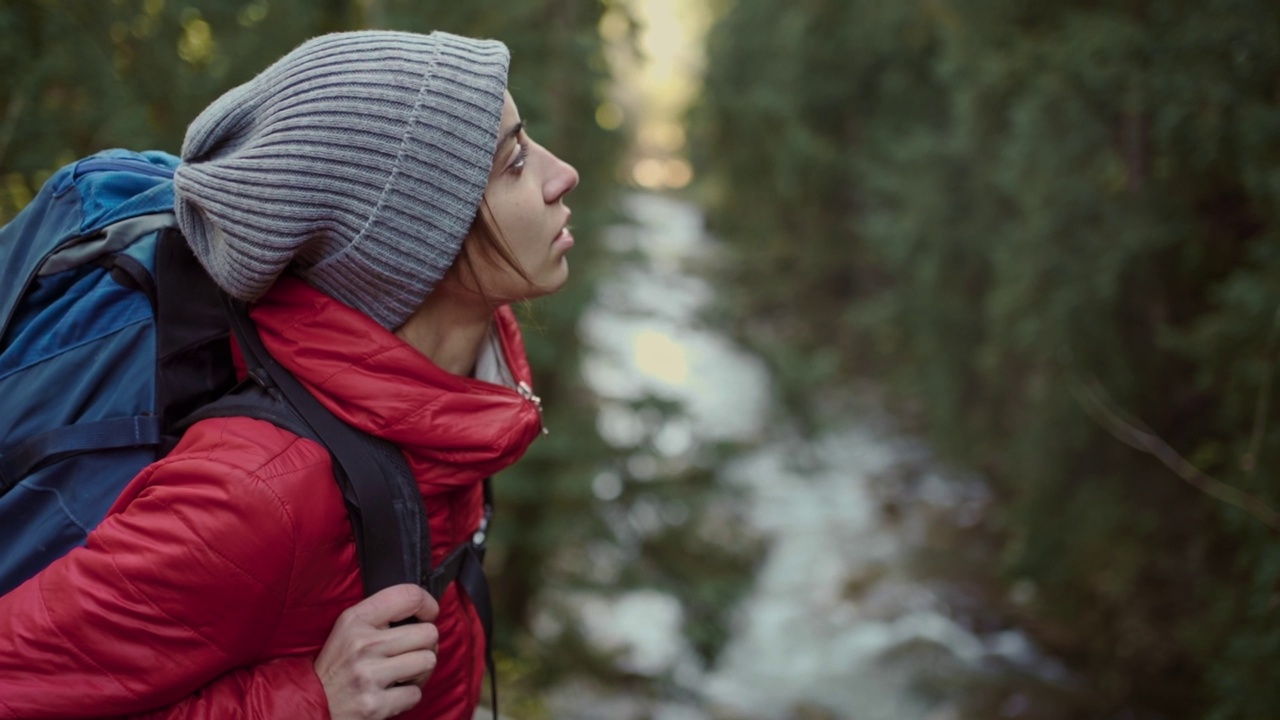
(517, 165)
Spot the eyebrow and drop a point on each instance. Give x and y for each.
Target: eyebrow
(507, 136)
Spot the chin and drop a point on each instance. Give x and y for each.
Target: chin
(545, 287)
(561, 279)
(556, 279)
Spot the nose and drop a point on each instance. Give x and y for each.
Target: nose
(561, 178)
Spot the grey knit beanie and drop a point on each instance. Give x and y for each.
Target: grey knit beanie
(359, 159)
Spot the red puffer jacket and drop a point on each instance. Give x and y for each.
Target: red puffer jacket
(217, 575)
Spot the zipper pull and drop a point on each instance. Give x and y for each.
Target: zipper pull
(526, 392)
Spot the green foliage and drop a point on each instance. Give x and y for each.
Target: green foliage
(995, 207)
(81, 77)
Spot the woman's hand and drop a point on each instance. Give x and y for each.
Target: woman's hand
(371, 670)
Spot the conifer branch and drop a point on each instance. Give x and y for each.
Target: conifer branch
(1250, 460)
(11, 114)
(1099, 405)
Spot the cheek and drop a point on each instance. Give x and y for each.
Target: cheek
(528, 204)
(514, 208)
(524, 222)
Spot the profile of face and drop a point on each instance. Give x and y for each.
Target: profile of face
(518, 248)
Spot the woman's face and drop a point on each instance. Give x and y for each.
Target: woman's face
(524, 205)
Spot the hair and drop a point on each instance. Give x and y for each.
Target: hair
(487, 238)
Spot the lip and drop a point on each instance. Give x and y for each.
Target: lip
(564, 236)
(563, 239)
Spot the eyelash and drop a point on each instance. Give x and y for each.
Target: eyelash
(517, 165)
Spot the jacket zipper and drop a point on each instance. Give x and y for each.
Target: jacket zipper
(526, 392)
(523, 388)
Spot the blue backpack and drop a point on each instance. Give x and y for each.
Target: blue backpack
(113, 339)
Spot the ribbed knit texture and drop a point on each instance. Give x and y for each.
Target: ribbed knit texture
(359, 159)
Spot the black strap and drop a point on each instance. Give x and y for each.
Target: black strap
(474, 583)
(385, 506)
(249, 399)
(383, 498)
(130, 273)
(63, 442)
(193, 347)
(464, 564)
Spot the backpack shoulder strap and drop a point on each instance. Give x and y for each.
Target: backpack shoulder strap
(383, 499)
(381, 494)
(249, 399)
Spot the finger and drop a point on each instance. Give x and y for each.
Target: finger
(419, 680)
(401, 698)
(429, 609)
(412, 667)
(407, 638)
(394, 603)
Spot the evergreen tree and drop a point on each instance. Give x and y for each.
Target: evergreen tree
(1048, 228)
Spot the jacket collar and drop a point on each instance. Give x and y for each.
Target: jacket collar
(375, 381)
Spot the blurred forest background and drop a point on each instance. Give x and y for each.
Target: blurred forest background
(1051, 230)
(1048, 232)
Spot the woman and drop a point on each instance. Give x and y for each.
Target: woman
(376, 196)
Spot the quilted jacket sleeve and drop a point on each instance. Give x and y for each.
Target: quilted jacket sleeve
(282, 688)
(168, 605)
